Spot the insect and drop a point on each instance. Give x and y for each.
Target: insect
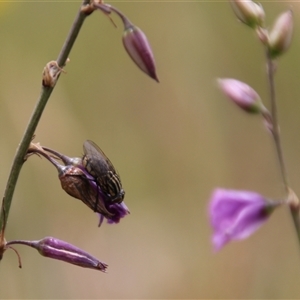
(100, 167)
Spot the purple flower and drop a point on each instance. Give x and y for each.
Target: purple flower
(118, 211)
(235, 215)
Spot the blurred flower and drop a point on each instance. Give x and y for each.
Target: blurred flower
(135, 42)
(242, 95)
(235, 215)
(248, 12)
(61, 250)
(281, 35)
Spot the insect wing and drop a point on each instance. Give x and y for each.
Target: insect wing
(100, 167)
(97, 163)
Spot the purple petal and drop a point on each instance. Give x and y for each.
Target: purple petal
(235, 215)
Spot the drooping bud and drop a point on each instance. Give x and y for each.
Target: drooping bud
(135, 42)
(61, 250)
(235, 215)
(138, 48)
(242, 95)
(248, 12)
(280, 36)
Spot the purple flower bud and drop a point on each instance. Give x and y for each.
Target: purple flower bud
(134, 41)
(248, 12)
(242, 95)
(235, 215)
(281, 35)
(60, 250)
(138, 48)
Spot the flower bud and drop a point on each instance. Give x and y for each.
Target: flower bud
(241, 94)
(235, 215)
(138, 48)
(135, 42)
(248, 12)
(280, 36)
(61, 250)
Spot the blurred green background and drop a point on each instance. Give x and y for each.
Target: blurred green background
(172, 143)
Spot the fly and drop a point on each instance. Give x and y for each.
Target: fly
(100, 167)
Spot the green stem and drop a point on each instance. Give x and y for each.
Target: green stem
(34, 120)
(276, 135)
(275, 129)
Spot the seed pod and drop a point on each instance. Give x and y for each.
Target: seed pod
(100, 167)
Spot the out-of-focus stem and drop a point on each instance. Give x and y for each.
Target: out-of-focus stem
(294, 209)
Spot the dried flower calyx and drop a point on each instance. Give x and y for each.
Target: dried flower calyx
(91, 179)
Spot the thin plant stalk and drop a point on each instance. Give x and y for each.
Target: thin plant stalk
(276, 135)
(35, 117)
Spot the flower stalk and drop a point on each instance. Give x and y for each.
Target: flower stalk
(294, 209)
(36, 115)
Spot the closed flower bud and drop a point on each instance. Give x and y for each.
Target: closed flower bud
(61, 250)
(134, 41)
(280, 36)
(248, 12)
(241, 94)
(138, 48)
(235, 215)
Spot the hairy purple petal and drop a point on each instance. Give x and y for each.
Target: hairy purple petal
(118, 211)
